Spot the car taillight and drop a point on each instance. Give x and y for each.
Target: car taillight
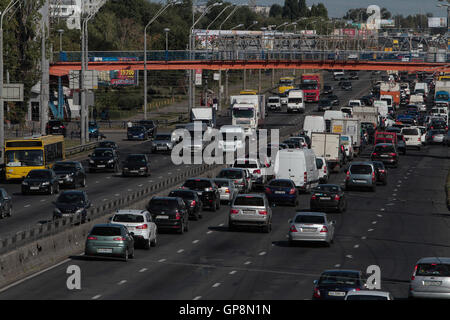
(227, 190)
(62, 127)
(324, 169)
(347, 177)
(392, 154)
(382, 170)
(268, 190)
(293, 229)
(337, 197)
(324, 229)
(357, 289)
(177, 215)
(313, 197)
(374, 154)
(193, 203)
(373, 176)
(414, 273)
(262, 212)
(144, 226)
(92, 238)
(305, 177)
(234, 211)
(119, 239)
(316, 293)
(292, 191)
(257, 171)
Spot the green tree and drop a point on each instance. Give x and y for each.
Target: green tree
(276, 10)
(303, 10)
(291, 10)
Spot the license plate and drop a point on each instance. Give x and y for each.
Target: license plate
(432, 283)
(248, 212)
(34, 188)
(309, 229)
(325, 198)
(55, 128)
(134, 171)
(136, 137)
(61, 181)
(104, 250)
(361, 181)
(384, 156)
(101, 166)
(336, 293)
(66, 215)
(279, 192)
(161, 148)
(162, 217)
(199, 193)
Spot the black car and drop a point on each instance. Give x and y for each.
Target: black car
(70, 173)
(192, 201)
(437, 125)
(55, 127)
(334, 99)
(169, 213)
(40, 180)
(353, 75)
(327, 89)
(346, 85)
(324, 104)
(5, 204)
(136, 164)
(386, 153)
(328, 196)
(293, 143)
(206, 190)
(334, 284)
(108, 144)
(137, 133)
(150, 126)
(381, 172)
(103, 159)
(72, 203)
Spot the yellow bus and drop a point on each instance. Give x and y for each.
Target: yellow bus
(286, 83)
(37, 152)
(445, 77)
(248, 92)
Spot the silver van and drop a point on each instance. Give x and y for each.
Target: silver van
(431, 278)
(361, 175)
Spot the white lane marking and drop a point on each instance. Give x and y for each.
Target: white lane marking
(105, 199)
(169, 172)
(247, 262)
(394, 194)
(180, 251)
(96, 297)
(337, 265)
(390, 204)
(349, 256)
(160, 177)
(363, 238)
(26, 206)
(395, 189)
(96, 181)
(399, 181)
(382, 209)
(262, 253)
(379, 215)
(143, 270)
(370, 230)
(162, 260)
(122, 282)
(398, 186)
(374, 222)
(221, 225)
(108, 177)
(150, 181)
(209, 232)
(197, 298)
(130, 190)
(140, 185)
(43, 200)
(356, 246)
(233, 272)
(195, 241)
(215, 285)
(116, 195)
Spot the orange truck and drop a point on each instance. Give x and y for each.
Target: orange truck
(391, 89)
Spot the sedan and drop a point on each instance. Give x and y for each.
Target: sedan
(435, 136)
(227, 189)
(386, 153)
(5, 204)
(70, 173)
(162, 142)
(282, 191)
(109, 240)
(334, 99)
(324, 104)
(72, 203)
(40, 180)
(334, 284)
(311, 226)
(328, 196)
(381, 172)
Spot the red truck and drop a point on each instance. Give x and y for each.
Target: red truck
(311, 84)
(385, 137)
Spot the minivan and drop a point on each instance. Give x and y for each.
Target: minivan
(361, 175)
(413, 137)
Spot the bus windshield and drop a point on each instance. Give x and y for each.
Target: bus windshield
(286, 82)
(24, 158)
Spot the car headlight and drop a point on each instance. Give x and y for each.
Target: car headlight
(143, 168)
(110, 161)
(45, 183)
(91, 161)
(125, 168)
(24, 183)
(56, 211)
(79, 211)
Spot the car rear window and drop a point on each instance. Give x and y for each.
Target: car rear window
(105, 231)
(433, 269)
(163, 137)
(245, 164)
(319, 163)
(384, 148)
(339, 278)
(410, 132)
(281, 183)
(361, 169)
(326, 188)
(132, 218)
(197, 184)
(309, 219)
(222, 183)
(249, 201)
(182, 194)
(165, 203)
(231, 174)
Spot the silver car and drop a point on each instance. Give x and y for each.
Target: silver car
(311, 226)
(250, 210)
(227, 189)
(240, 177)
(431, 278)
(162, 142)
(369, 295)
(361, 175)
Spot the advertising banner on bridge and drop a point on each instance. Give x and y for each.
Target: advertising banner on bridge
(437, 22)
(207, 39)
(117, 78)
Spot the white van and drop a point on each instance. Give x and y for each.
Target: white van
(354, 103)
(295, 101)
(413, 137)
(421, 88)
(298, 165)
(233, 138)
(314, 124)
(389, 100)
(330, 115)
(382, 107)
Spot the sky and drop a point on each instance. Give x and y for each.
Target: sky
(338, 8)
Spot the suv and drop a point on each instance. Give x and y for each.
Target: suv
(431, 278)
(386, 153)
(239, 176)
(150, 126)
(192, 201)
(206, 190)
(104, 159)
(136, 164)
(70, 173)
(72, 203)
(257, 171)
(413, 137)
(55, 127)
(140, 225)
(361, 174)
(169, 213)
(250, 210)
(137, 133)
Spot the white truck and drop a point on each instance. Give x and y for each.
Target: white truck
(366, 114)
(328, 146)
(417, 99)
(206, 115)
(248, 112)
(296, 101)
(314, 123)
(350, 127)
(381, 107)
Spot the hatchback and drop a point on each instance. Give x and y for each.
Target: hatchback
(431, 278)
(206, 190)
(361, 174)
(385, 152)
(227, 189)
(311, 226)
(169, 213)
(282, 191)
(328, 196)
(435, 136)
(109, 240)
(137, 133)
(55, 127)
(136, 165)
(72, 203)
(250, 210)
(240, 178)
(381, 172)
(140, 224)
(192, 201)
(40, 180)
(335, 284)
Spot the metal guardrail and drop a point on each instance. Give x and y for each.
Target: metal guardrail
(81, 148)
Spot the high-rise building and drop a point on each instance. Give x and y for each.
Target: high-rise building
(71, 10)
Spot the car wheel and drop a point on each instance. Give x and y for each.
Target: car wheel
(9, 214)
(83, 183)
(125, 256)
(147, 244)
(153, 242)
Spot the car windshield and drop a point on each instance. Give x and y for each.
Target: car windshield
(64, 167)
(39, 174)
(23, 158)
(163, 137)
(243, 113)
(309, 219)
(148, 124)
(163, 203)
(281, 183)
(433, 269)
(245, 164)
(105, 231)
(274, 100)
(69, 197)
(231, 174)
(136, 130)
(339, 278)
(378, 165)
(326, 188)
(132, 218)
(308, 86)
(346, 83)
(222, 183)
(140, 158)
(324, 102)
(384, 148)
(103, 153)
(182, 194)
(197, 184)
(360, 169)
(105, 144)
(249, 201)
(295, 100)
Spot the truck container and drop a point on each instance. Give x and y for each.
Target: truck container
(350, 127)
(366, 114)
(328, 146)
(248, 112)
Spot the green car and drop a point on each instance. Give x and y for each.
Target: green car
(110, 240)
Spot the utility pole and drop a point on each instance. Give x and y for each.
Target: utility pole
(44, 71)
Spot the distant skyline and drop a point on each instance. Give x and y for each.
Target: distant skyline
(338, 8)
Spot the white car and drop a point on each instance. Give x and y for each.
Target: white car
(139, 223)
(256, 169)
(368, 295)
(323, 169)
(413, 137)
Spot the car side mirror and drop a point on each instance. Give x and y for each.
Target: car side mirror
(110, 219)
(290, 221)
(333, 221)
(315, 282)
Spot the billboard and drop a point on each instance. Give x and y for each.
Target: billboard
(437, 22)
(124, 77)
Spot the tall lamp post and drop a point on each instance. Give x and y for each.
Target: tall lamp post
(170, 3)
(167, 30)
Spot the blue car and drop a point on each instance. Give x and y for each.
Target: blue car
(282, 191)
(137, 133)
(93, 127)
(334, 284)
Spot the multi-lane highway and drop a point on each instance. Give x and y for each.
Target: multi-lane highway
(395, 226)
